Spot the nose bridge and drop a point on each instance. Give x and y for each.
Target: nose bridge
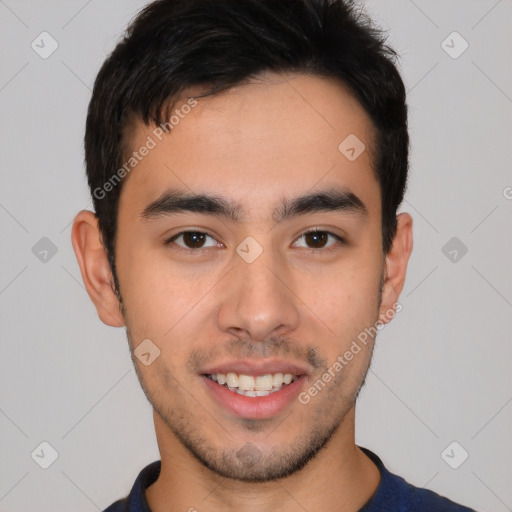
(258, 298)
(260, 275)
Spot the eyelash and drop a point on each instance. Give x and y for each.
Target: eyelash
(331, 248)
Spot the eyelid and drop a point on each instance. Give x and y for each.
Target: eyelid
(170, 240)
(340, 239)
(315, 229)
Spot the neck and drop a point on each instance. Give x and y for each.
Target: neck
(340, 477)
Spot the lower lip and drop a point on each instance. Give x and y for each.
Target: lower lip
(258, 407)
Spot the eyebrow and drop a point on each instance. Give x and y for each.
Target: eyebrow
(177, 201)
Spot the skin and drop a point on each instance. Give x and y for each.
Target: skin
(275, 137)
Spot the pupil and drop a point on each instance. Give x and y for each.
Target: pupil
(316, 235)
(193, 235)
(196, 239)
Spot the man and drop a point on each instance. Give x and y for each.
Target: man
(246, 160)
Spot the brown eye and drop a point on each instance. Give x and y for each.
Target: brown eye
(317, 240)
(191, 240)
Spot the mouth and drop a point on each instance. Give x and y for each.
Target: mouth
(253, 386)
(254, 389)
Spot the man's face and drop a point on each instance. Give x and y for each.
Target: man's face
(211, 303)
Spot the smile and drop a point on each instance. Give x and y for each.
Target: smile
(253, 386)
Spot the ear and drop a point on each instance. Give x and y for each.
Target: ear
(94, 267)
(396, 267)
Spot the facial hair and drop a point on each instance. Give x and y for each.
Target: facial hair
(248, 462)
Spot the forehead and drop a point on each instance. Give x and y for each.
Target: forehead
(278, 135)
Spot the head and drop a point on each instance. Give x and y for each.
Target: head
(275, 132)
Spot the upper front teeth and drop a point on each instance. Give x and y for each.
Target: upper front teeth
(250, 383)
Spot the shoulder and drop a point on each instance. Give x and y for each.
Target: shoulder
(136, 499)
(118, 506)
(395, 494)
(424, 500)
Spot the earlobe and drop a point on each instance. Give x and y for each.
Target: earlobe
(96, 275)
(396, 267)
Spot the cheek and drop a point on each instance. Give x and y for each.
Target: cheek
(168, 305)
(154, 294)
(344, 296)
(346, 300)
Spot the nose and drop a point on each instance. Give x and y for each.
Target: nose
(258, 299)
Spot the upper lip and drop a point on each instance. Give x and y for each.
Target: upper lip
(256, 367)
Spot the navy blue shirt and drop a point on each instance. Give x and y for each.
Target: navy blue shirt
(393, 494)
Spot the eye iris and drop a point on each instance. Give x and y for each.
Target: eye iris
(316, 235)
(194, 236)
(195, 239)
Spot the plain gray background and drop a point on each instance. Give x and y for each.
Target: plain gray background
(441, 369)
